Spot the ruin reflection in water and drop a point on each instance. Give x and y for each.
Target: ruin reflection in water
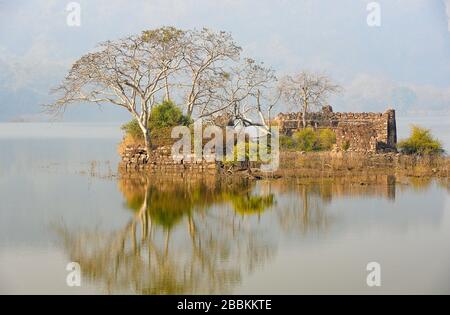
(203, 235)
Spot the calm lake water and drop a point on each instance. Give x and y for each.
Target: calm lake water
(61, 201)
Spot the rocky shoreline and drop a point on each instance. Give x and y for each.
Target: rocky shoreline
(337, 164)
(293, 164)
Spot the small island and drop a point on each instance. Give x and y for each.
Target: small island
(168, 78)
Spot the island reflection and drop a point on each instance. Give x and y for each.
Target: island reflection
(203, 235)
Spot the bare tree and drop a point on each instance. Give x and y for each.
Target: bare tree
(241, 94)
(307, 90)
(130, 73)
(171, 51)
(202, 67)
(207, 55)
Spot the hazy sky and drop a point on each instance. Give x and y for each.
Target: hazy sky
(405, 62)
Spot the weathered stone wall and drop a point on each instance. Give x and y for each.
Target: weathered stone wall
(360, 132)
(161, 159)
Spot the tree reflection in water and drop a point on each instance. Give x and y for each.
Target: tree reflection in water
(183, 237)
(203, 235)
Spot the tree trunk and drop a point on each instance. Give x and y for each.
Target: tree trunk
(167, 90)
(190, 110)
(146, 133)
(148, 144)
(304, 117)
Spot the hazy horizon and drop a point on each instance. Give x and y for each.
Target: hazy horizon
(404, 63)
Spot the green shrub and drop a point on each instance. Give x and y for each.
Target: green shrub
(327, 138)
(162, 116)
(346, 145)
(133, 130)
(306, 139)
(167, 114)
(286, 142)
(420, 141)
(309, 140)
(246, 146)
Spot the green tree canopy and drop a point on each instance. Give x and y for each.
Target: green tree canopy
(163, 115)
(167, 114)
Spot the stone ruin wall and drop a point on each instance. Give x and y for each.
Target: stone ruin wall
(362, 132)
(161, 159)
